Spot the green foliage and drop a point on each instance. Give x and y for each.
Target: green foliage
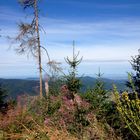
(80, 121)
(98, 97)
(54, 85)
(99, 92)
(40, 119)
(80, 117)
(16, 87)
(135, 63)
(45, 107)
(129, 111)
(73, 82)
(39, 108)
(53, 107)
(23, 126)
(3, 96)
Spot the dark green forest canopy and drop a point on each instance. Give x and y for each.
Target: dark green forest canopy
(17, 87)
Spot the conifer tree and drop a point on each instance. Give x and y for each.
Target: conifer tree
(134, 84)
(3, 96)
(73, 82)
(98, 97)
(100, 94)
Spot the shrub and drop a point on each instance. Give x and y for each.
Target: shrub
(53, 105)
(69, 115)
(129, 111)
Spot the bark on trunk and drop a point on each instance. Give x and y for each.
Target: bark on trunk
(47, 88)
(39, 47)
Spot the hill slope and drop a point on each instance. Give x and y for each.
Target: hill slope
(17, 87)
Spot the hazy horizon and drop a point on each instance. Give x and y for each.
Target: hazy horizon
(110, 70)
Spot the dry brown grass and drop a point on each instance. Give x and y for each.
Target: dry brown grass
(18, 124)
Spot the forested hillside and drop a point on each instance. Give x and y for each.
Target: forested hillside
(16, 87)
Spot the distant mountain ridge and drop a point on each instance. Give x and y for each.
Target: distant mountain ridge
(88, 82)
(30, 86)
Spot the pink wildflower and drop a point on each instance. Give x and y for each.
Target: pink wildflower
(47, 120)
(64, 89)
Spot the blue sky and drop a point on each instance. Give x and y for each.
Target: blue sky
(106, 32)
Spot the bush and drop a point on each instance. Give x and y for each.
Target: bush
(129, 111)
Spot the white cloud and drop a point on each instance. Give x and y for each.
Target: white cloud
(96, 53)
(98, 4)
(97, 41)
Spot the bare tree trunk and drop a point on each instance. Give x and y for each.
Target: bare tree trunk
(38, 43)
(47, 88)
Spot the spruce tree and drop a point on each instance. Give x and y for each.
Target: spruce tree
(134, 83)
(100, 94)
(98, 97)
(73, 82)
(3, 96)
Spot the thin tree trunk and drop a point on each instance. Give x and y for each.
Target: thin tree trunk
(39, 47)
(47, 88)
